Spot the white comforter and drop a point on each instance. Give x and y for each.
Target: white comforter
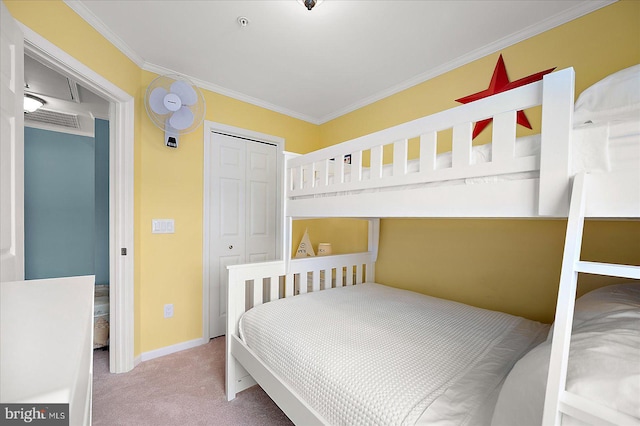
(371, 354)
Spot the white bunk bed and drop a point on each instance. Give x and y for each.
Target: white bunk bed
(492, 181)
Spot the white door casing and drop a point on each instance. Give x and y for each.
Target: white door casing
(121, 140)
(11, 149)
(243, 215)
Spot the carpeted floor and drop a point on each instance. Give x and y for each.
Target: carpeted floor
(185, 388)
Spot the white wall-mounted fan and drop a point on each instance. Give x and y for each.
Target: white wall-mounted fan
(175, 105)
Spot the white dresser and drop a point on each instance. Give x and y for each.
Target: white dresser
(46, 343)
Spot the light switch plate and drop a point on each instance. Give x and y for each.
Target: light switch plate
(162, 226)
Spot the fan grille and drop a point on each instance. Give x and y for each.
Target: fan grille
(55, 118)
(161, 120)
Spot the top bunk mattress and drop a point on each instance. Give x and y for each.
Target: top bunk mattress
(372, 354)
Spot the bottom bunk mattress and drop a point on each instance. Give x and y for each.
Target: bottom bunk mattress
(372, 354)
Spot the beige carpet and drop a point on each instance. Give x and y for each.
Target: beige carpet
(185, 388)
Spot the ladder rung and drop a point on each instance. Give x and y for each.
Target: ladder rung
(610, 269)
(593, 412)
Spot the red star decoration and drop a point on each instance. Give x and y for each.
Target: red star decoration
(500, 83)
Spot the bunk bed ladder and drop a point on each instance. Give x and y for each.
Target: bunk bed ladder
(558, 400)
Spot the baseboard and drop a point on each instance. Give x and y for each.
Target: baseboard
(167, 350)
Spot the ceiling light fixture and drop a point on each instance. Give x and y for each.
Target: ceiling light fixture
(32, 103)
(309, 4)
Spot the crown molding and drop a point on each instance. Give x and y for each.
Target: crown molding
(548, 24)
(157, 69)
(531, 31)
(99, 26)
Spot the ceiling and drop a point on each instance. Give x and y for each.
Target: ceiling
(317, 65)
(69, 107)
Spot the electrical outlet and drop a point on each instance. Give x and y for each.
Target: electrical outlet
(168, 310)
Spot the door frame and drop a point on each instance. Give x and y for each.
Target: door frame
(121, 190)
(210, 127)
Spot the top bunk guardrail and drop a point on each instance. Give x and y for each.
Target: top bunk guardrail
(325, 172)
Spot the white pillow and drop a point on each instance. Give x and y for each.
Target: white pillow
(603, 364)
(605, 301)
(614, 98)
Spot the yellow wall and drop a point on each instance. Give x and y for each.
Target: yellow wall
(345, 235)
(513, 265)
(169, 183)
(85, 44)
(172, 186)
(595, 45)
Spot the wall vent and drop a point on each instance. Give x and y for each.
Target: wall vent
(54, 118)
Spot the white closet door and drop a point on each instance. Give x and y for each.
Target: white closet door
(260, 197)
(243, 214)
(11, 149)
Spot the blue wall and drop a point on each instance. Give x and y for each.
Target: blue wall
(102, 201)
(64, 222)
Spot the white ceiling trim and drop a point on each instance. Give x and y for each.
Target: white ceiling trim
(106, 32)
(231, 93)
(524, 34)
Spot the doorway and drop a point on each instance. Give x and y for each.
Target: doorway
(66, 179)
(121, 227)
(243, 222)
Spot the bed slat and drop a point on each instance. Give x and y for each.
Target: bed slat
(258, 298)
(303, 171)
(339, 276)
(289, 287)
(295, 178)
(339, 177)
(428, 145)
(461, 153)
(504, 137)
(356, 166)
(323, 173)
(302, 283)
(400, 157)
(376, 162)
(274, 288)
(313, 175)
(315, 280)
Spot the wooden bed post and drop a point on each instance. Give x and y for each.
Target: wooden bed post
(287, 221)
(287, 241)
(237, 378)
(555, 151)
(373, 242)
(235, 292)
